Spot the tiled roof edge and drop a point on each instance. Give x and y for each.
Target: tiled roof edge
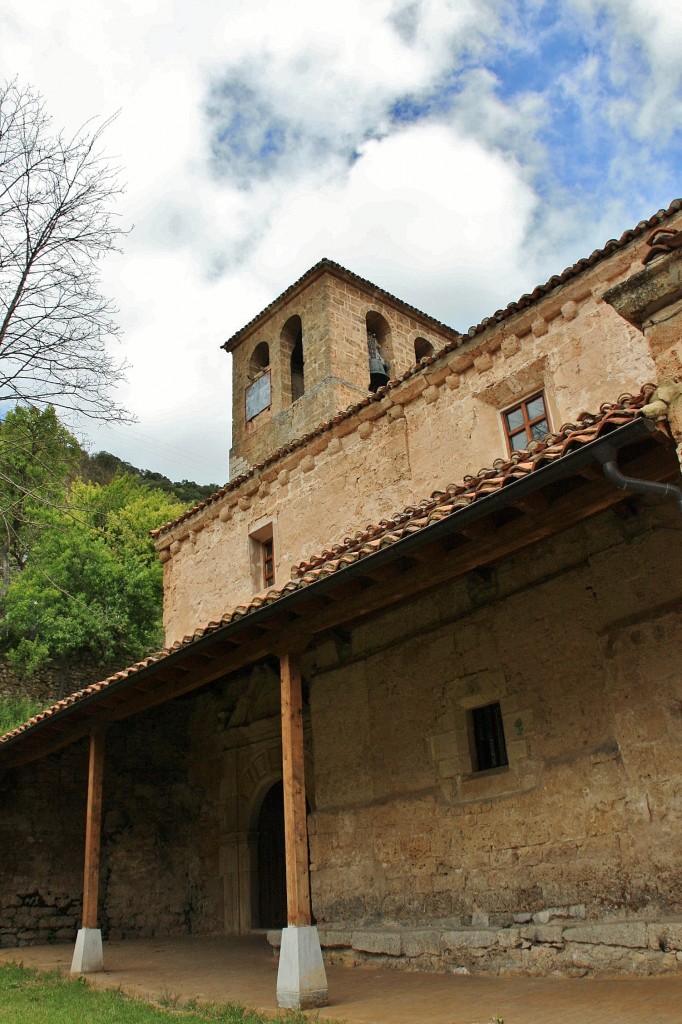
(503, 470)
(613, 245)
(514, 307)
(571, 436)
(323, 265)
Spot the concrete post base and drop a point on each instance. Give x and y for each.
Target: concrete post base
(87, 956)
(301, 979)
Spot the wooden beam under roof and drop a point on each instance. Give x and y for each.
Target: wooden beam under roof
(340, 599)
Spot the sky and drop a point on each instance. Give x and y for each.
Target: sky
(455, 152)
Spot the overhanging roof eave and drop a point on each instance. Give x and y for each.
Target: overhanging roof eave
(637, 430)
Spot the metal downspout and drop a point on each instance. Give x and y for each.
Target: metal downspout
(607, 457)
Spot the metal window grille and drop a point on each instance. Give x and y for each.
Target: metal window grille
(488, 735)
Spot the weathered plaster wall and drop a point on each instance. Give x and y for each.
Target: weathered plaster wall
(432, 430)
(580, 644)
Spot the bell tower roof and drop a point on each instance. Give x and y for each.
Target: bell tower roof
(319, 347)
(327, 266)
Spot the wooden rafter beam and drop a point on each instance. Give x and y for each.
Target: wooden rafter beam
(381, 581)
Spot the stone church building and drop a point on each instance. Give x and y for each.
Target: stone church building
(421, 700)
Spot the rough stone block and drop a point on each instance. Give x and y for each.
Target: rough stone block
(483, 362)
(387, 942)
(632, 934)
(508, 938)
(335, 938)
(550, 933)
(510, 346)
(665, 935)
(468, 938)
(418, 942)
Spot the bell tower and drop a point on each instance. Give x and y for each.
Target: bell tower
(322, 345)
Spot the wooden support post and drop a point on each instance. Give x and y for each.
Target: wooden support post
(293, 776)
(93, 828)
(301, 978)
(88, 953)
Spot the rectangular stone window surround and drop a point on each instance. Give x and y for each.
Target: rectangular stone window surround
(518, 384)
(452, 750)
(526, 421)
(263, 549)
(487, 740)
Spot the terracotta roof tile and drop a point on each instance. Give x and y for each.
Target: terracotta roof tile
(501, 314)
(376, 536)
(504, 471)
(335, 268)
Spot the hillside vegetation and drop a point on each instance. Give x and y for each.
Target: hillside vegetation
(80, 576)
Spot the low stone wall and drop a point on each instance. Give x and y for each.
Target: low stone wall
(552, 941)
(52, 682)
(36, 918)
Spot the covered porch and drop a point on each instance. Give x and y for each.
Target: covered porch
(431, 546)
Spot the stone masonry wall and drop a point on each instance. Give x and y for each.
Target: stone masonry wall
(412, 851)
(334, 334)
(566, 860)
(183, 786)
(52, 682)
(432, 430)
(42, 837)
(153, 879)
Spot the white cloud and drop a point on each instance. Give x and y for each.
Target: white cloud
(644, 44)
(437, 210)
(434, 218)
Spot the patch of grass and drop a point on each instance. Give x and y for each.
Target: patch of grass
(15, 711)
(39, 997)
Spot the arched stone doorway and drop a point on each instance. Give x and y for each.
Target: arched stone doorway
(272, 880)
(271, 873)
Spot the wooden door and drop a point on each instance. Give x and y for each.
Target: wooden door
(272, 880)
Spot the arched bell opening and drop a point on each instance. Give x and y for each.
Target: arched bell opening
(379, 349)
(291, 340)
(260, 359)
(422, 349)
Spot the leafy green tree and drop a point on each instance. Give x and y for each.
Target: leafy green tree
(101, 468)
(38, 457)
(92, 586)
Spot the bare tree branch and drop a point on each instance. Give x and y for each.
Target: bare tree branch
(56, 223)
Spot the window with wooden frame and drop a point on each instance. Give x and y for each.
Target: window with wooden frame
(262, 555)
(267, 550)
(486, 735)
(525, 422)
